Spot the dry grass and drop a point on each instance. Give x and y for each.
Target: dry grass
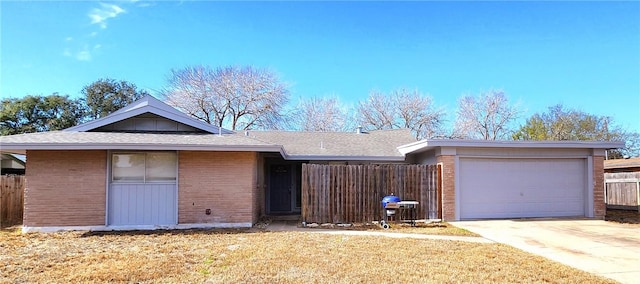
(218, 256)
(419, 228)
(430, 229)
(623, 216)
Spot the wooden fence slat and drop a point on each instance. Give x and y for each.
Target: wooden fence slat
(11, 200)
(353, 193)
(622, 190)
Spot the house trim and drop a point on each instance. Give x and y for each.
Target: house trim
(141, 147)
(591, 190)
(343, 158)
(429, 144)
(106, 190)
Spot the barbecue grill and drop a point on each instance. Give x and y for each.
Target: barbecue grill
(393, 206)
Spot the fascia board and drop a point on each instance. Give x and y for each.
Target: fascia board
(344, 158)
(430, 144)
(133, 146)
(413, 147)
(533, 144)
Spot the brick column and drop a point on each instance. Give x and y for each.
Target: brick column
(448, 194)
(599, 206)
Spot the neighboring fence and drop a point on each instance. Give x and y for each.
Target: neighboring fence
(11, 200)
(353, 193)
(622, 190)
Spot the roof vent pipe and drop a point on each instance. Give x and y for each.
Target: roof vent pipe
(359, 130)
(246, 133)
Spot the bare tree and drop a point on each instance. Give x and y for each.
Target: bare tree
(321, 114)
(235, 97)
(487, 116)
(416, 112)
(192, 90)
(377, 112)
(401, 108)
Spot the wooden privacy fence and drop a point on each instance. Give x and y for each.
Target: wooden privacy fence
(622, 190)
(353, 193)
(11, 200)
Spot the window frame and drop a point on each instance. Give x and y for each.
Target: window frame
(145, 177)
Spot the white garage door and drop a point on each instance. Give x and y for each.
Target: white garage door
(511, 188)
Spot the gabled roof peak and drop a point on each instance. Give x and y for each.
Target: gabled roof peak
(148, 104)
(147, 100)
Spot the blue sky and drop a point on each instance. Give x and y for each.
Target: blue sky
(585, 55)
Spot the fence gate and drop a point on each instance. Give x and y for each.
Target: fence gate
(622, 190)
(353, 193)
(11, 200)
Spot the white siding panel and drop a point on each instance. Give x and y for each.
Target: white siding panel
(142, 204)
(513, 188)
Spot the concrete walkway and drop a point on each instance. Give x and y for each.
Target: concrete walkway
(604, 248)
(282, 226)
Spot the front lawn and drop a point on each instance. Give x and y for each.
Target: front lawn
(227, 256)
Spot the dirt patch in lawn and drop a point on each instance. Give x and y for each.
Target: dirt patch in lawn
(623, 216)
(223, 256)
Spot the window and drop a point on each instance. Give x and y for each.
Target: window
(161, 166)
(144, 167)
(128, 167)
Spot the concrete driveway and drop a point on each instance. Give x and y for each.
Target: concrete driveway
(607, 249)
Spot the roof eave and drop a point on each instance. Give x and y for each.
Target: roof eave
(344, 158)
(20, 148)
(424, 145)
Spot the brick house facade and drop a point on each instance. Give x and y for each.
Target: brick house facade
(149, 166)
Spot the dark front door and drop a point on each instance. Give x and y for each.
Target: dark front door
(280, 188)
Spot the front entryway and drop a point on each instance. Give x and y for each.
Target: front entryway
(280, 185)
(283, 192)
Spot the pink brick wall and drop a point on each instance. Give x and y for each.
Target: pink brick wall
(599, 206)
(448, 187)
(224, 182)
(65, 188)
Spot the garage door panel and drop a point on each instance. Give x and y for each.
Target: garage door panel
(507, 188)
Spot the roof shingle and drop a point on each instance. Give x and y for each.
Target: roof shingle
(380, 144)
